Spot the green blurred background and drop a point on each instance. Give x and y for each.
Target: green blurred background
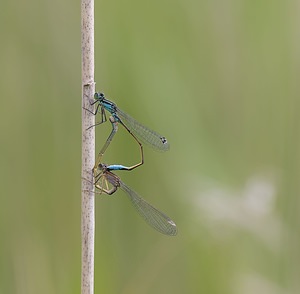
(220, 79)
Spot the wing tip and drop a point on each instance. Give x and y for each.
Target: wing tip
(173, 229)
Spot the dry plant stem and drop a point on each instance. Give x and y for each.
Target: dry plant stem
(88, 149)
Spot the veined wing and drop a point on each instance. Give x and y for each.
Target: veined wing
(150, 214)
(147, 136)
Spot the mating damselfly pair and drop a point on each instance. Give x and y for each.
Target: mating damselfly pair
(108, 182)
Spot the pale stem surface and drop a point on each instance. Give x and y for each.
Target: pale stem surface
(88, 149)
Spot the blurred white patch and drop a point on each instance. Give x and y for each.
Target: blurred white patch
(252, 209)
(254, 283)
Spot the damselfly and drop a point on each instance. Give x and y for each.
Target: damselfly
(138, 131)
(108, 182)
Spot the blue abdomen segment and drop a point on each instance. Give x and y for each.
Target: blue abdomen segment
(117, 167)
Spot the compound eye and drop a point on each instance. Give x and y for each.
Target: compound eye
(99, 96)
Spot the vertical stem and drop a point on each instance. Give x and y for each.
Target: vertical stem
(88, 149)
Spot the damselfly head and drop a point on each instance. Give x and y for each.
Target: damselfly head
(99, 96)
(102, 167)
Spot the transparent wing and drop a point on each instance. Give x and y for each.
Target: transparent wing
(150, 214)
(146, 135)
